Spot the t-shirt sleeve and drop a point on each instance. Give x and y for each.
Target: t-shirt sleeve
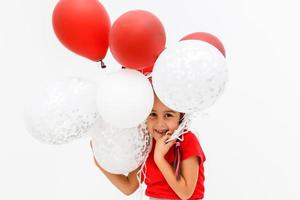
(191, 147)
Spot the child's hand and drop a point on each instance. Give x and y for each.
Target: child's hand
(162, 148)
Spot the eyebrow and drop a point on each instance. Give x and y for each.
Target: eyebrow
(171, 111)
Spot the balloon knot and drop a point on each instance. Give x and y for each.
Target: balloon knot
(102, 64)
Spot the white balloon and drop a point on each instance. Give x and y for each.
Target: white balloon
(120, 151)
(125, 98)
(189, 76)
(62, 110)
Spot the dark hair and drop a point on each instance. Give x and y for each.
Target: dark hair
(181, 117)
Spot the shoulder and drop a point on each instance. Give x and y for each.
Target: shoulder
(191, 147)
(190, 138)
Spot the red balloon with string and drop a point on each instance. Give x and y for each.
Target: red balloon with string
(146, 70)
(206, 37)
(83, 27)
(136, 39)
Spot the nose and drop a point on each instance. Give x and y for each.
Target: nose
(161, 124)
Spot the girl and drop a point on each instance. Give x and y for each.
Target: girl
(185, 180)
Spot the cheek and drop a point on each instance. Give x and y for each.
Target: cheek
(149, 125)
(173, 125)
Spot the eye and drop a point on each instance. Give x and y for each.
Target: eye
(152, 114)
(168, 115)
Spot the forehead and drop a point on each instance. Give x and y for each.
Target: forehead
(159, 106)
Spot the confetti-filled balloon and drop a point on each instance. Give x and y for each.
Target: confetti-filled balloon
(189, 76)
(120, 151)
(125, 98)
(62, 110)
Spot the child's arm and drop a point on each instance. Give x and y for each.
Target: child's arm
(126, 184)
(184, 186)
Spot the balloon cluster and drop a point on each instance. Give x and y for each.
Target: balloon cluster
(187, 77)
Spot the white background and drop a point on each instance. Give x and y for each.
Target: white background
(251, 136)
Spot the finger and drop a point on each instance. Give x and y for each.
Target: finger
(170, 143)
(171, 139)
(165, 138)
(168, 133)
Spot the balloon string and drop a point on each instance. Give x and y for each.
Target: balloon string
(149, 75)
(177, 161)
(141, 174)
(182, 129)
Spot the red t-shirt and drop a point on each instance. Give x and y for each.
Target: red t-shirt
(157, 186)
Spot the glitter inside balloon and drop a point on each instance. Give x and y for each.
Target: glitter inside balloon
(190, 76)
(121, 151)
(62, 110)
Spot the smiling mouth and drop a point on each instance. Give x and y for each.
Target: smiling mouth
(163, 132)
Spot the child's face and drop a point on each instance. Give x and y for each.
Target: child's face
(162, 120)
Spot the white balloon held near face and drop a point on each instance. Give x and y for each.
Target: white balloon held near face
(125, 98)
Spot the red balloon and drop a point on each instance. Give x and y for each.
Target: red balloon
(206, 37)
(136, 39)
(146, 70)
(83, 27)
